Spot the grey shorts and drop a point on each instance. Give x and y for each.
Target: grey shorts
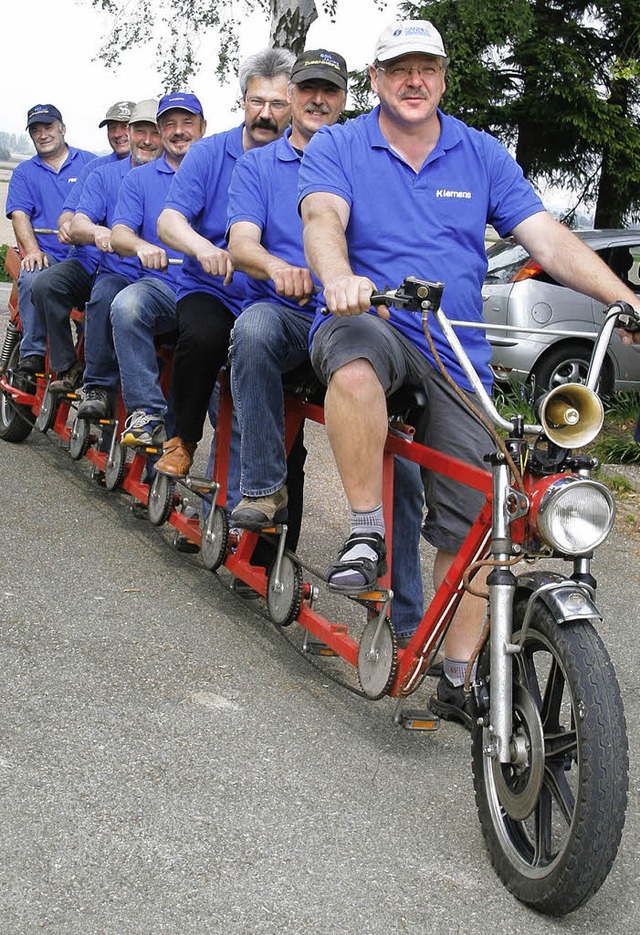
(445, 423)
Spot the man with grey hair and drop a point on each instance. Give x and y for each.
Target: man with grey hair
(194, 221)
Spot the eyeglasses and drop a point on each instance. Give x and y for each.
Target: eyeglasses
(402, 72)
(259, 104)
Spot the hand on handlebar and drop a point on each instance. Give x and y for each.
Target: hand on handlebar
(351, 295)
(628, 323)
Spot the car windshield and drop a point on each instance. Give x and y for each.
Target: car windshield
(505, 259)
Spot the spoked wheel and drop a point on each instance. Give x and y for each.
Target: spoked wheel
(115, 466)
(284, 596)
(48, 408)
(79, 438)
(552, 819)
(215, 537)
(16, 421)
(160, 499)
(377, 658)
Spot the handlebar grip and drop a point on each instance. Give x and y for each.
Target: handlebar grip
(628, 318)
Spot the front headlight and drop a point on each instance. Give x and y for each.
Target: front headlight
(573, 515)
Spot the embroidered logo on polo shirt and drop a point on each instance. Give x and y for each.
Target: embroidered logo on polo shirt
(449, 193)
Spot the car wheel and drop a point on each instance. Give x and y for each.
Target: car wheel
(569, 363)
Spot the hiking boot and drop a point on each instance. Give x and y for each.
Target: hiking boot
(69, 380)
(177, 457)
(361, 561)
(257, 513)
(95, 404)
(144, 428)
(452, 703)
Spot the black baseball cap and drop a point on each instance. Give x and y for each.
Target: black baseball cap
(318, 63)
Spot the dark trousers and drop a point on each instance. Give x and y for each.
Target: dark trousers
(204, 326)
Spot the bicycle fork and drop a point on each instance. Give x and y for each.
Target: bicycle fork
(501, 582)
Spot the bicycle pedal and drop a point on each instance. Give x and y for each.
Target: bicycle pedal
(183, 544)
(418, 719)
(316, 647)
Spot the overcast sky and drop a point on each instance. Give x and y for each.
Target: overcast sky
(48, 47)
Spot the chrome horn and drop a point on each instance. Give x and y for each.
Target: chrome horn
(571, 415)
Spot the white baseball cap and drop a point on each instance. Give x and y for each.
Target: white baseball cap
(406, 36)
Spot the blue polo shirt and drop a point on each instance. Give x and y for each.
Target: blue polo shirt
(429, 224)
(199, 192)
(264, 190)
(140, 201)
(98, 202)
(86, 254)
(39, 191)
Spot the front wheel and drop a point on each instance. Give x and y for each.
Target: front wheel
(552, 819)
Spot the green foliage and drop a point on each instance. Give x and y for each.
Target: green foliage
(4, 275)
(557, 81)
(612, 450)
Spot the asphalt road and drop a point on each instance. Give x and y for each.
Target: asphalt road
(170, 765)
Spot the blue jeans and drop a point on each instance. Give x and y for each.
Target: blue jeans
(55, 292)
(32, 322)
(267, 340)
(100, 361)
(407, 606)
(138, 313)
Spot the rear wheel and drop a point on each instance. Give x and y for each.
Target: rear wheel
(569, 363)
(16, 421)
(552, 820)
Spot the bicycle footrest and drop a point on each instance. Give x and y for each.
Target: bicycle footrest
(418, 719)
(316, 647)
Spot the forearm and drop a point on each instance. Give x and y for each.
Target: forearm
(175, 231)
(124, 241)
(23, 230)
(325, 245)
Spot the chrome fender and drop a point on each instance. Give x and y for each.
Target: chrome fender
(565, 599)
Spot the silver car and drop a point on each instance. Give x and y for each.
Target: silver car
(517, 292)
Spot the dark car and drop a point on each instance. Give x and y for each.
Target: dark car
(519, 293)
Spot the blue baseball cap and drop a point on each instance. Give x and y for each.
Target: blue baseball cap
(42, 113)
(181, 101)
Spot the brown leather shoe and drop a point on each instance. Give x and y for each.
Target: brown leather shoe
(177, 457)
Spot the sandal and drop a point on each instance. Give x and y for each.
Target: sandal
(367, 567)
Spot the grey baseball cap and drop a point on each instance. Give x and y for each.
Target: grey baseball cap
(144, 111)
(120, 112)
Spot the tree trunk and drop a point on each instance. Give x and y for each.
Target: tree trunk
(290, 22)
(613, 190)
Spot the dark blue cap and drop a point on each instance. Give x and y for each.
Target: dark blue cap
(42, 113)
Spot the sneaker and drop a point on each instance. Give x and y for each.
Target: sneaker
(32, 364)
(452, 703)
(95, 404)
(261, 512)
(69, 380)
(144, 428)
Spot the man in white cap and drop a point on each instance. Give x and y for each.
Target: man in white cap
(404, 190)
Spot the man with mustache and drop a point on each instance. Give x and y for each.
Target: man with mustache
(271, 336)
(408, 189)
(194, 222)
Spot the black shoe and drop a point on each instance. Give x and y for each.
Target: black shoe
(452, 703)
(69, 380)
(365, 571)
(32, 364)
(95, 404)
